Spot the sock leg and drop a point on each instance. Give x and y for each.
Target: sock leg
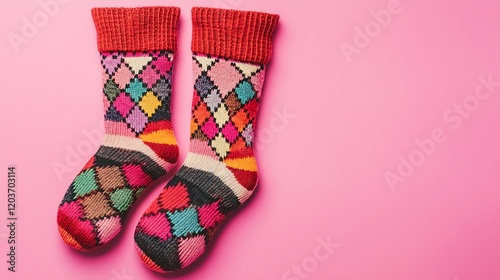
(139, 145)
(220, 171)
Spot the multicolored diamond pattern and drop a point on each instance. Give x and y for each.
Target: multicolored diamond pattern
(219, 173)
(139, 147)
(225, 103)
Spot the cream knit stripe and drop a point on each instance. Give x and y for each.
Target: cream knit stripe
(219, 169)
(134, 144)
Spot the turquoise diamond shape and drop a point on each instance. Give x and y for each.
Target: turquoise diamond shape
(136, 89)
(185, 222)
(244, 91)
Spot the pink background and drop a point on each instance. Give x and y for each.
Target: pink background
(321, 172)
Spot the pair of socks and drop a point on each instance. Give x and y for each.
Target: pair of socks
(137, 45)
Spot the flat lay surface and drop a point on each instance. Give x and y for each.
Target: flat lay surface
(377, 142)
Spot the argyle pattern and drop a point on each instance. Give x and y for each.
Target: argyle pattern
(219, 173)
(138, 147)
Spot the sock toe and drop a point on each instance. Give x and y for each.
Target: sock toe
(77, 233)
(169, 246)
(157, 254)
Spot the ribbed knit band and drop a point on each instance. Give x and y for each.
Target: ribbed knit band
(136, 29)
(238, 35)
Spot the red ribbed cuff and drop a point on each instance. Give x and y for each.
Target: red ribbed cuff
(237, 35)
(136, 29)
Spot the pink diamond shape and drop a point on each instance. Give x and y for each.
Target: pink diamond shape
(210, 215)
(73, 210)
(108, 227)
(137, 120)
(123, 76)
(210, 128)
(135, 175)
(225, 76)
(123, 104)
(149, 76)
(156, 225)
(107, 103)
(105, 76)
(163, 64)
(191, 248)
(230, 132)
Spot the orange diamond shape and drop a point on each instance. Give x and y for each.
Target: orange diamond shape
(194, 126)
(240, 120)
(201, 113)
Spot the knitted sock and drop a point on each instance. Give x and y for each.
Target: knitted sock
(220, 172)
(136, 46)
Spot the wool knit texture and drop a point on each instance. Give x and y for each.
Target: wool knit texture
(139, 145)
(220, 171)
(136, 29)
(238, 35)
